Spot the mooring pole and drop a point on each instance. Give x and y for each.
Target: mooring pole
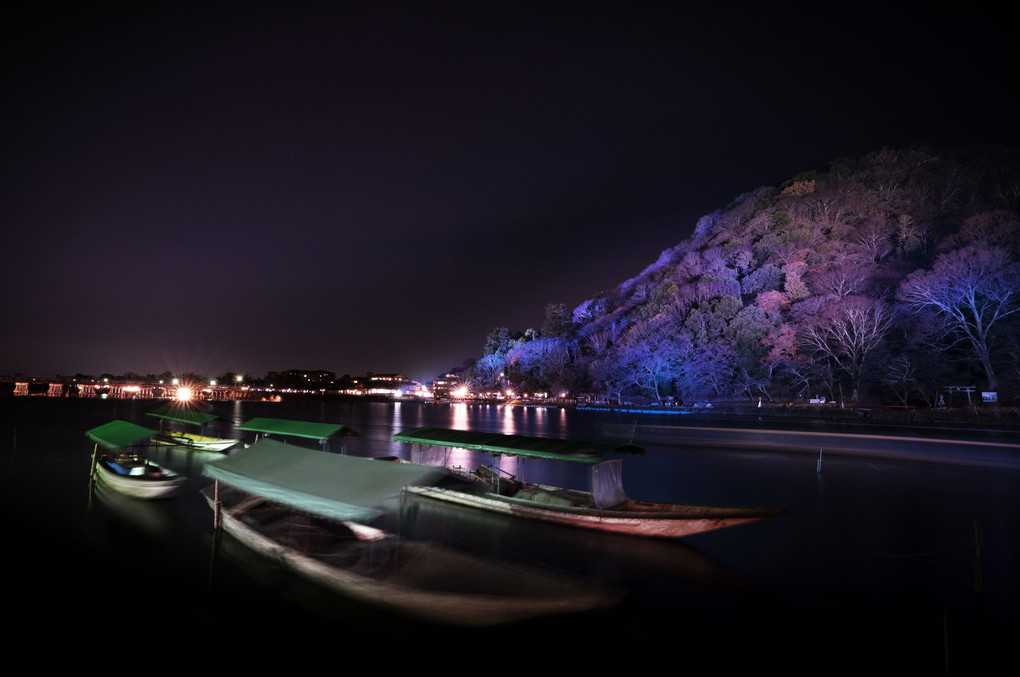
(216, 505)
(818, 467)
(92, 470)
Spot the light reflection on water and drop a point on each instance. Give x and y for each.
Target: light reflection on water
(872, 555)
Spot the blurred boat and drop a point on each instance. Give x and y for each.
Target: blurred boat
(148, 517)
(123, 466)
(606, 507)
(187, 415)
(313, 511)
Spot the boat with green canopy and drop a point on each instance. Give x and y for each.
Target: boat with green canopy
(606, 507)
(189, 416)
(313, 511)
(284, 428)
(123, 466)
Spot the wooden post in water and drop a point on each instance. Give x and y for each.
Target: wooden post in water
(95, 456)
(818, 466)
(216, 533)
(216, 505)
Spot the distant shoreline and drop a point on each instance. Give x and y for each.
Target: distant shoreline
(963, 417)
(981, 416)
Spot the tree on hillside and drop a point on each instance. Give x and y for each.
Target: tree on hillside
(841, 280)
(846, 333)
(544, 362)
(972, 289)
(609, 376)
(558, 321)
(651, 353)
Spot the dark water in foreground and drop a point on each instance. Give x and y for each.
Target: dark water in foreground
(873, 566)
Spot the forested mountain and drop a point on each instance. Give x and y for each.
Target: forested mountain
(884, 278)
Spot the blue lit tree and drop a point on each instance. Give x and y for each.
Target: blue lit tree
(651, 354)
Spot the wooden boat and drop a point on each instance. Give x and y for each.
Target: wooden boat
(127, 470)
(606, 507)
(284, 429)
(183, 414)
(193, 440)
(313, 510)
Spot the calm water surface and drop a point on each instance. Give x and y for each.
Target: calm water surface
(873, 565)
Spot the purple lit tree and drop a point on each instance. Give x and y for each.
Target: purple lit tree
(846, 332)
(972, 289)
(609, 376)
(706, 370)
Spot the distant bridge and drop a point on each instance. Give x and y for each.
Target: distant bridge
(70, 387)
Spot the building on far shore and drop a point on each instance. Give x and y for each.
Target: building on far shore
(384, 385)
(302, 379)
(446, 384)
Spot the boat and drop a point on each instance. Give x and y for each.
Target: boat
(124, 468)
(606, 507)
(313, 511)
(199, 440)
(323, 433)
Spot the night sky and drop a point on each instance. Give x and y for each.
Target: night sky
(359, 187)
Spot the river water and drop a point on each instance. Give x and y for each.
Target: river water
(900, 552)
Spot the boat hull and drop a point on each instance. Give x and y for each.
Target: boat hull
(636, 518)
(163, 485)
(426, 581)
(193, 441)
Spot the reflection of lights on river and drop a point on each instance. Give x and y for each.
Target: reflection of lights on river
(509, 427)
(460, 416)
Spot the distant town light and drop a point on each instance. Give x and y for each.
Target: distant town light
(183, 394)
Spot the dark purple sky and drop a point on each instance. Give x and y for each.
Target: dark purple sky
(362, 187)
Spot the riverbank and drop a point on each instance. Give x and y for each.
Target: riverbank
(982, 416)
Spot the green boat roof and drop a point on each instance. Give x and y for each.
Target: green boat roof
(576, 451)
(182, 414)
(309, 429)
(323, 483)
(118, 434)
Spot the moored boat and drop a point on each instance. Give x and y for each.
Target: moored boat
(187, 415)
(606, 507)
(313, 511)
(124, 468)
(284, 429)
